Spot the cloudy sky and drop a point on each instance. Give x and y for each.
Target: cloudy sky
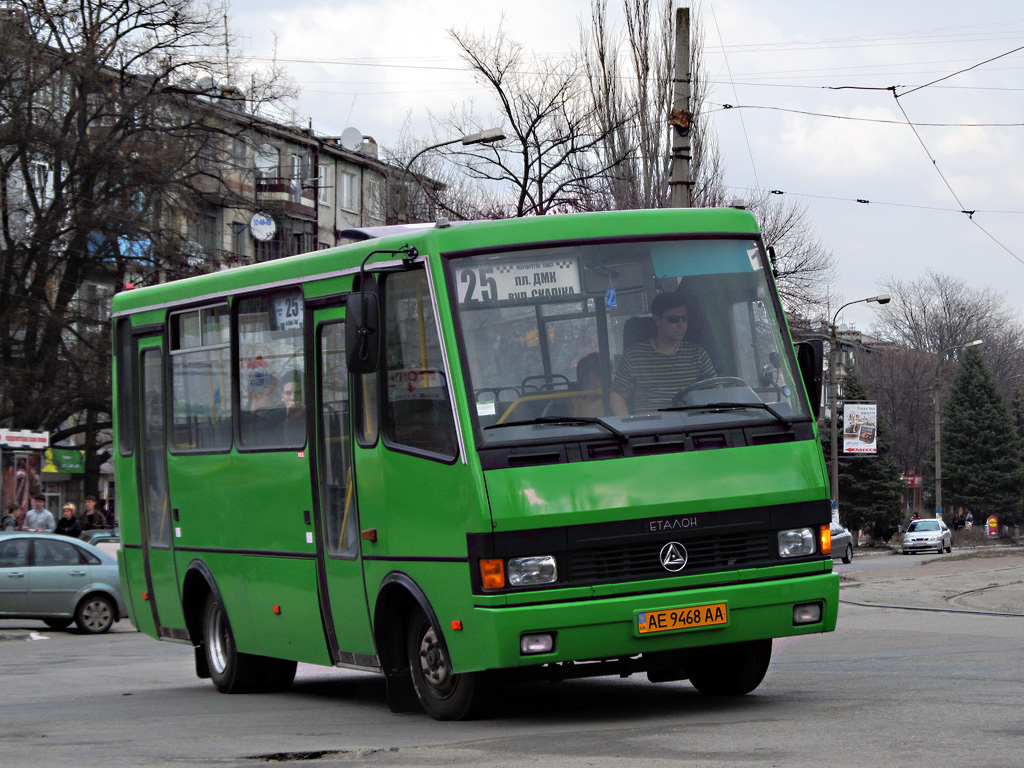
(816, 121)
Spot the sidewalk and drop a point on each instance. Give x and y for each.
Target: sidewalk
(981, 579)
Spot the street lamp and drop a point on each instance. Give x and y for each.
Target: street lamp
(882, 298)
(938, 424)
(486, 136)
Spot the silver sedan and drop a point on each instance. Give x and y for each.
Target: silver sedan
(58, 580)
(927, 535)
(842, 543)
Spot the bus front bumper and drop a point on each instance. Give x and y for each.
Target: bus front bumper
(607, 628)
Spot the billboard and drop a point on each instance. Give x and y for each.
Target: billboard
(860, 429)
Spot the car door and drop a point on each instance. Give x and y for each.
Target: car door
(57, 575)
(14, 559)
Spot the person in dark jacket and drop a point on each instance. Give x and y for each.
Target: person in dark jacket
(9, 519)
(93, 518)
(68, 524)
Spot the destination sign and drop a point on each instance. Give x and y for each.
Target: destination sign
(519, 281)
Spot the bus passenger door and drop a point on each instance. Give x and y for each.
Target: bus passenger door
(154, 494)
(342, 594)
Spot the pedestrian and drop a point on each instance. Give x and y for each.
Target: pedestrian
(93, 518)
(68, 525)
(9, 519)
(39, 518)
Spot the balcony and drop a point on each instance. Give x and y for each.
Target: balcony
(287, 194)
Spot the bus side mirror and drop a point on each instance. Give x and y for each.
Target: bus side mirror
(362, 332)
(810, 356)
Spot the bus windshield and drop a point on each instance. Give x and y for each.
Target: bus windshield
(620, 339)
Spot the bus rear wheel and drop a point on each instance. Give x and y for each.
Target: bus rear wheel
(730, 670)
(231, 671)
(444, 694)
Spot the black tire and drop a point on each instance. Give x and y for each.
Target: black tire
(95, 614)
(950, 547)
(730, 670)
(276, 676)
(231, 671)
(848, 554)
(57, 624)
(443, 694)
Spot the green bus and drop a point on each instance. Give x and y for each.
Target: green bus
(462, 454)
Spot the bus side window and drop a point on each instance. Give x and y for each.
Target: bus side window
(418, 411)
(201, 379)
(271, 369)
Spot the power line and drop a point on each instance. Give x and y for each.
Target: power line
(725, 107)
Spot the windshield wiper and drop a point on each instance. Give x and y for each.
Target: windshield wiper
(569, 420)
(731, 406)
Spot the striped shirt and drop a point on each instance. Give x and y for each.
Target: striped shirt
(648, 380)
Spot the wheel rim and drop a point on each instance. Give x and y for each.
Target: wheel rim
(97, 615)
(437, 672)
(217, 640)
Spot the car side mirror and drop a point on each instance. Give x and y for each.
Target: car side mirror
(810, 356)
(362, 331)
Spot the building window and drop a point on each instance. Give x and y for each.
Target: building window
(348, 191)
(325, 184)
(239, 238)
(374, 203)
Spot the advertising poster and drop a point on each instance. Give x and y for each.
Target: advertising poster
(860, 429)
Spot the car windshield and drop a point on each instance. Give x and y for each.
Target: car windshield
(923, 525)
(600, 340)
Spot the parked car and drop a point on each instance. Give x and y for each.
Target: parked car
(96, 535)
(842, 543)
(924, 535)
(59, 580)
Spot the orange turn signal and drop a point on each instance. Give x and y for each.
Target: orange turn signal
(826, 540)
(492, 572)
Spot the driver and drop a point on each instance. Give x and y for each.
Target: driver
(653, 371)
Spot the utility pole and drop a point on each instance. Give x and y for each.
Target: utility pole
(681, 180)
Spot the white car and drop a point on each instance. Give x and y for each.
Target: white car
(927, 535)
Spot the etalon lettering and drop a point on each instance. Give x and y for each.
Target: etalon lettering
(673, 523)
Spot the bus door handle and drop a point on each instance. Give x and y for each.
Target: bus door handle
(16, 575)
(174, 514)
(305, 516)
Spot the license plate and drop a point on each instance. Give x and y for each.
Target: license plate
(691, 617)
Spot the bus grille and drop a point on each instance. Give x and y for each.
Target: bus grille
(597, 565)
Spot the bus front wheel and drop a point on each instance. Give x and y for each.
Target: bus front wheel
(231, 671)
(730, 670)
(444, 694)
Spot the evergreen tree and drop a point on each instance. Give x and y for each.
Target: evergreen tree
(981, 459)
(869, 486)
(1017, 409)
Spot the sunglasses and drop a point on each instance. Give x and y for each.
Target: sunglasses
(675, 319)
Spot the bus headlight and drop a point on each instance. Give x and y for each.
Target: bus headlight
(797, 542)
(531, 571)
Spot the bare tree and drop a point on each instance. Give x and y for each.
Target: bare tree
(926, 321)
(804, 267)
(549, 162)
(113, 137)
(630, 81)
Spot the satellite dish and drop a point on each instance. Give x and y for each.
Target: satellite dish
(352, 139)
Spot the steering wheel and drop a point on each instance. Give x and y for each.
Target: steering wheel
(715, 381)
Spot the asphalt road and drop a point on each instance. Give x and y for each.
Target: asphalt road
(937, 681)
